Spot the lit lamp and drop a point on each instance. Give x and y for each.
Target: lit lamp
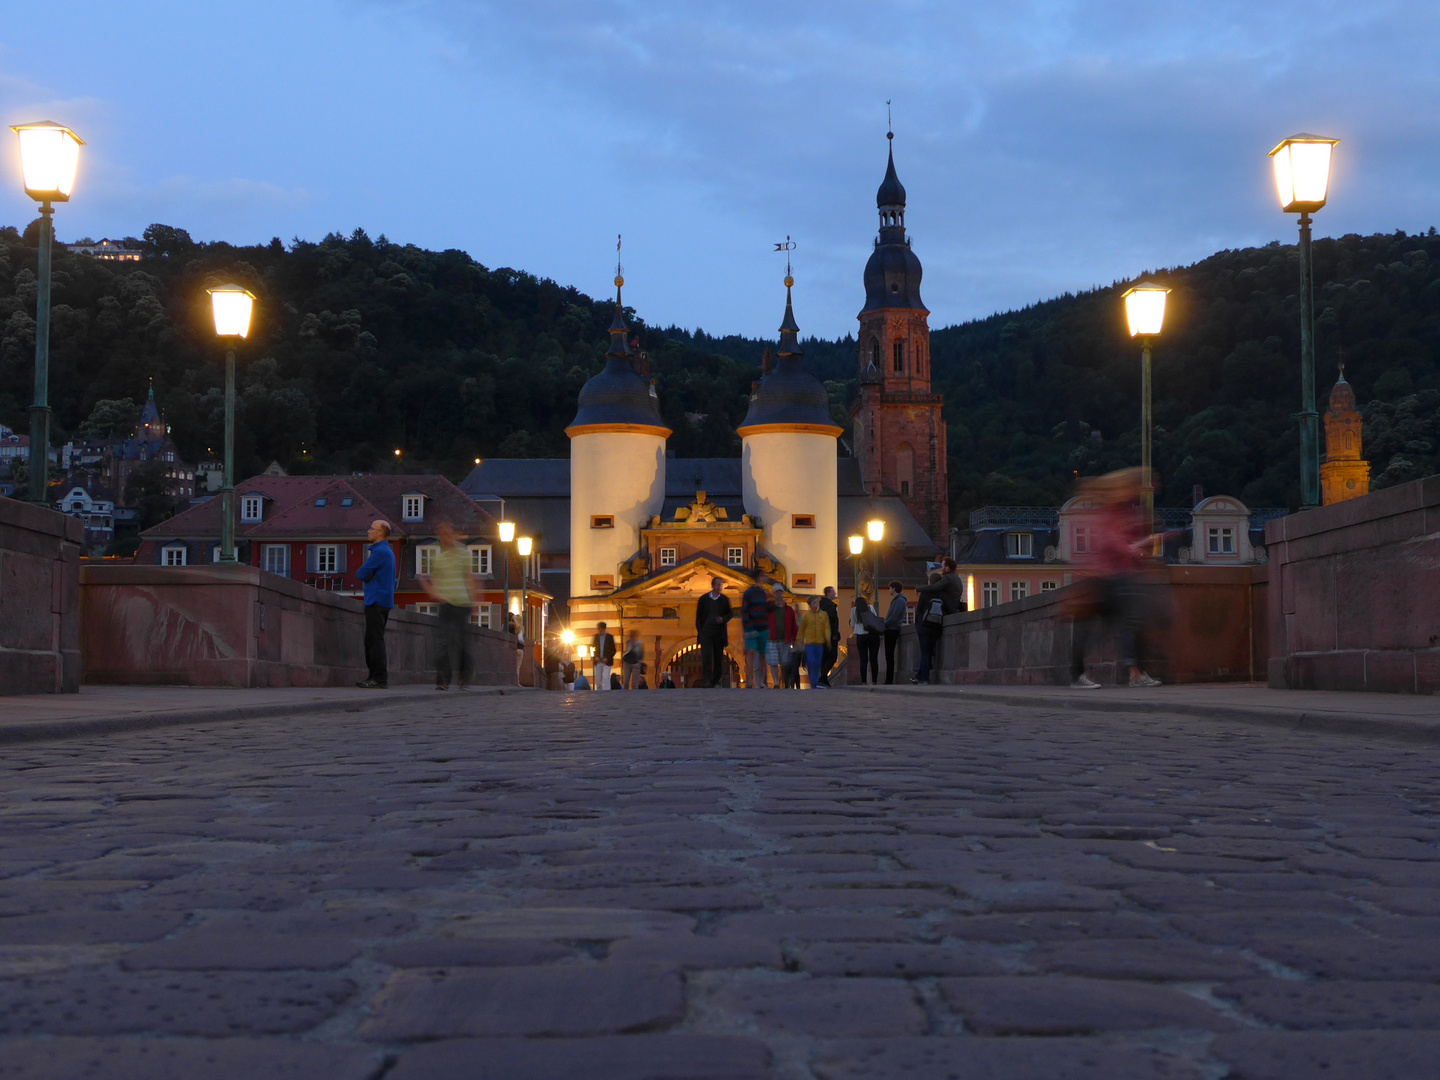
(49, 154)
(875, 530)
(231, 306)
(1145, 312)
(507, 534)
(1302, 180)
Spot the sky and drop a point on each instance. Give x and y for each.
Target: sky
(1046, 145)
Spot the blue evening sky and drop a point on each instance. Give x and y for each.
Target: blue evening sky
(1047, 145)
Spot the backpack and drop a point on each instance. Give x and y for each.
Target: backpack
(936, 612)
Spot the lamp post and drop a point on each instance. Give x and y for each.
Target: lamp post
(232, 306)
(49, 153)
(1145, 312)
(1302, 180)
(507, 533)
(875, 530)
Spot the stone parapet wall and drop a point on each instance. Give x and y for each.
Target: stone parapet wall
(1355, 602)
(1207, 625)
(239, 626)
(39, 599)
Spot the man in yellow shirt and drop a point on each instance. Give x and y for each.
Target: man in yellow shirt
(814, 636)
(450, 584)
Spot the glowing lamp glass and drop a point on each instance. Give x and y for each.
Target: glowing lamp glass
(1302, 172)
(875, 530)
(507, 531)
(49, 154)
(1145, 309)
(857, 545)
(523, 546)
(232, 306)
(567, 636)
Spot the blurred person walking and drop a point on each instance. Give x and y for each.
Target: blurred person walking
(449, 583)
(755, 605)
(894, 620)
(712, 618)
(632, 661)
(814, 636)
(780, 644)
(377, 573)
(832, 646)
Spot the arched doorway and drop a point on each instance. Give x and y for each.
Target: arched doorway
(686, 672)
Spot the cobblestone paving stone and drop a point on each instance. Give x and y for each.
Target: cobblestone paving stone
(719, 886)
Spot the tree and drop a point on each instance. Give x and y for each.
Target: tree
(111, 418)
(150, 492)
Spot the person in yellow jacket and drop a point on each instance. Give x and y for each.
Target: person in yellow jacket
(814, 636)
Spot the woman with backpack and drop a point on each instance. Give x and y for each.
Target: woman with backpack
(868, 628)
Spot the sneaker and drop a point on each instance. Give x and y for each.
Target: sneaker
(370, 684)
(915, 680)
(1144, 680)
(1084, 682)
(442, 686)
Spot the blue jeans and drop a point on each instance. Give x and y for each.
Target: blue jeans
(814, 657)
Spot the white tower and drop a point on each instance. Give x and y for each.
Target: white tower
(787, 465)
(617, 475)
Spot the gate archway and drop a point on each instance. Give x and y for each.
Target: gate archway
(685, 664)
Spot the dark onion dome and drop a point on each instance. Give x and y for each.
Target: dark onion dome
(871, 375)
(618, 397)
(1342, 395)
(787, 397)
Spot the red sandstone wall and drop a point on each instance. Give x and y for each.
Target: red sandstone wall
(1355, 593)
(39, 605)
(239, 626)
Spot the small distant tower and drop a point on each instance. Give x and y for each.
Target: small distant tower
(617, 472)
(1343, 473)
(787, 464)
(899, 435)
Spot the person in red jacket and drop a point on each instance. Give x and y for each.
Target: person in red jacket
(781, 646)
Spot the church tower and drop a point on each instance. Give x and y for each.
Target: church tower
(787, 465)
(1343, 473)
(899, 435)
(617, 473)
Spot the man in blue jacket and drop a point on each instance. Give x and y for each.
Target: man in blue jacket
(378, 574)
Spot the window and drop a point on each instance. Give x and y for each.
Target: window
(803, 581)
(1019, 590)
(480, 559)
(275, 558)
(905, 487)
(1019, 545)
(875, 352)
(599, 582)
(667, 556)
(670, 613)
(173, 556)
(327, 558)
(347, 501)
(909, 615)
(734, 556)
(898, 349)
(321, 501)
(1220, 540)
(250, 507)
(413, 508)
(426, 609)
(425, 558)
(602, 521)
(802, 521)
(483, 615)
(1048, 586)
(1082, 544)
(990, 594)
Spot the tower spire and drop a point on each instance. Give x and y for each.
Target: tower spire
(619, 332)
(789, 342)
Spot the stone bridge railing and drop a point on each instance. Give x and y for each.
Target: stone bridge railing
(39, 602)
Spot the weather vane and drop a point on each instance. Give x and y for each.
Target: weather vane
(889, 123)
(618, 272)
(787, 247)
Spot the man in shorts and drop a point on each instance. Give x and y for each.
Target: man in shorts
(755, 607)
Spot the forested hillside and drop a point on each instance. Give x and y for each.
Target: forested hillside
(362, 346)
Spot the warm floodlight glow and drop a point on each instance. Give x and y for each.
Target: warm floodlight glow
(567, 636)
(1302, 172)
(875, 530)
(49, 153)
(232, 305)
(507, 531)
(1145, 308)
(857, 545)
(397, 451)
(523, 545)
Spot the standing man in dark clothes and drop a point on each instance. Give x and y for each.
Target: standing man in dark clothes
(602, 648)
(378, 574)
(894, 620)
(832, 648)
(755, 607)
(712, 619)
(950, 591)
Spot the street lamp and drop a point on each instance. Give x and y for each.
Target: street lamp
(507, 533)
(1302, 180)
(875, 530)
(231, 306)
(1145, 312)
(49, 153)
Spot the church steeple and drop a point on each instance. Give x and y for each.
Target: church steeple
(1344, 474)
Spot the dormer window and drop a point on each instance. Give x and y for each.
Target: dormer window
(251, 507)
(413, 508)
(1019, 546)
(1220, 540)
(321, 501)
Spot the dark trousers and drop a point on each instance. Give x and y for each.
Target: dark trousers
(450, 652)
(869, 655)
(712, 658)
(827, 660)
(929, 636)
(375, 619)
(1118, 606)
(892, 638)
